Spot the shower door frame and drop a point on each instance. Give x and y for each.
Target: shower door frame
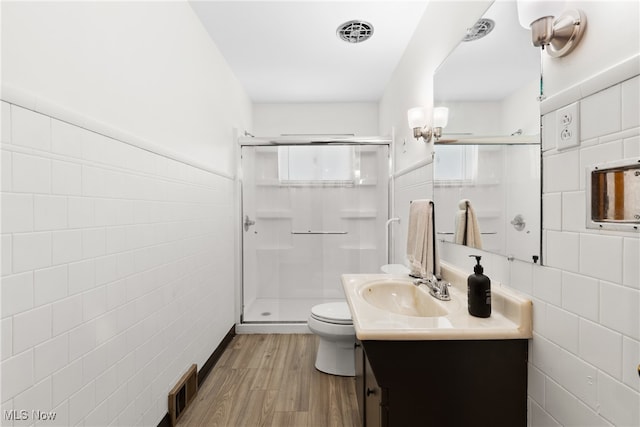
(293, 141)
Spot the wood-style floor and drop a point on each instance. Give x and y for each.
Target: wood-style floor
(270, 380)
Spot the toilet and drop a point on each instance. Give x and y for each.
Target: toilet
(333, 325)
(395, 269)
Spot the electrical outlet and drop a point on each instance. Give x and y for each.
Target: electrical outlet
(567, 127)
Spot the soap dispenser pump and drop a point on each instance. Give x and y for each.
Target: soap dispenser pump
(479, 291)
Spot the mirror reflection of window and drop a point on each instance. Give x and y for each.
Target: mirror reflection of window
(456, 164)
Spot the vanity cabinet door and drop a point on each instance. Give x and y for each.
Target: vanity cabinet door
(372, 397)
(360, 388)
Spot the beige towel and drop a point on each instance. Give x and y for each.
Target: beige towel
(420, 240)
(466, 218)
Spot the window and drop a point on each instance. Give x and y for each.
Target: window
(456, 164)
(319, 164)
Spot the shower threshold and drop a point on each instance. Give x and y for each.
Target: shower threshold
(287, 310)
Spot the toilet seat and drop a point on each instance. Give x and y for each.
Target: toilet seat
(333, 325)
(336, 313)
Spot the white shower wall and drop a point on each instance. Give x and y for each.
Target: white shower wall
(308, 231)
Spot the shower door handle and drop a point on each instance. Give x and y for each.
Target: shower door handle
(247, 223)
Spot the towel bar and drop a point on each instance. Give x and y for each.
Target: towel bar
(451, 232)
(319, 232)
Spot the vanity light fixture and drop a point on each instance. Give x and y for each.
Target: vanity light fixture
(417, 118)
(556, 31)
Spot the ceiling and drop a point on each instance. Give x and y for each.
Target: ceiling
(288, 51)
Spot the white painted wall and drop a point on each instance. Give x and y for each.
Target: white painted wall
(117, 261)
(147, 68)
(478, 118)
(439, 31)
(358, 118)
(612, 35)
(520, 110)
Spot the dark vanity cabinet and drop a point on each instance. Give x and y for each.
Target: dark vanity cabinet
(442, 383)
(371, 402)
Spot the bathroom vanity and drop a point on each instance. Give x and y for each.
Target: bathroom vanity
(423, 362)
(442, 383)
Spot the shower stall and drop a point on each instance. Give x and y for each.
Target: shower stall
(311, 212)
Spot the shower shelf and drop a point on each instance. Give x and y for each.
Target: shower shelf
(358, 214)
(367, 182)
(319, 232)
(359, 248)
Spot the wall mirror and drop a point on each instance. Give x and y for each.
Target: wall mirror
(490, 150)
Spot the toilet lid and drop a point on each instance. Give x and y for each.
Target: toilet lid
(333, 312)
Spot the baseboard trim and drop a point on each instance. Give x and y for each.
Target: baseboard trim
(207, 367)
(165, 421)
(215, 356)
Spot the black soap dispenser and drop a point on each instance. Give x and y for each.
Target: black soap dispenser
(479, 291)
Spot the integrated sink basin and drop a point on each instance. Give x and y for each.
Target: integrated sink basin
(404, 298)
(392, 307)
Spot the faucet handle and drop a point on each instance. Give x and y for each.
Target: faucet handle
(444, 289)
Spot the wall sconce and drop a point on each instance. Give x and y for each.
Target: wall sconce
(558, 34)
(418, 119)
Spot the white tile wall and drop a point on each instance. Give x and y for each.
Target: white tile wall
(30, 174)
(631, 103)
(6, 122)
(600, 274)
(601, 153)
(630, 354)
(569, 410)
(552, 211)
(563, 250)
(631, 266)
(619, 309)
(109, 253)
(30, 129)
(586, 298)
(562, 328)
(618, 403)
(631, 146)
(573, 211)
(581, 295)
(595, 120)
(601, 347)
(547, 284)
(6, 175)
(561, 171)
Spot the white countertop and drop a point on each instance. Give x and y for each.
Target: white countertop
(511, 315)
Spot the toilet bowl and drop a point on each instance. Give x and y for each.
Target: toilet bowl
(333, 325)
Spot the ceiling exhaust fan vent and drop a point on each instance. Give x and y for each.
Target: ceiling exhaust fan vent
(480, 29)
(355, 31)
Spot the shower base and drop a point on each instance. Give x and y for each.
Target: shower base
(272, 310)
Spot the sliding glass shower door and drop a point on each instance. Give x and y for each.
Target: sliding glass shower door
(311, 213)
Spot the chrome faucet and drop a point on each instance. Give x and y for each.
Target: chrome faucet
(438, 288)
